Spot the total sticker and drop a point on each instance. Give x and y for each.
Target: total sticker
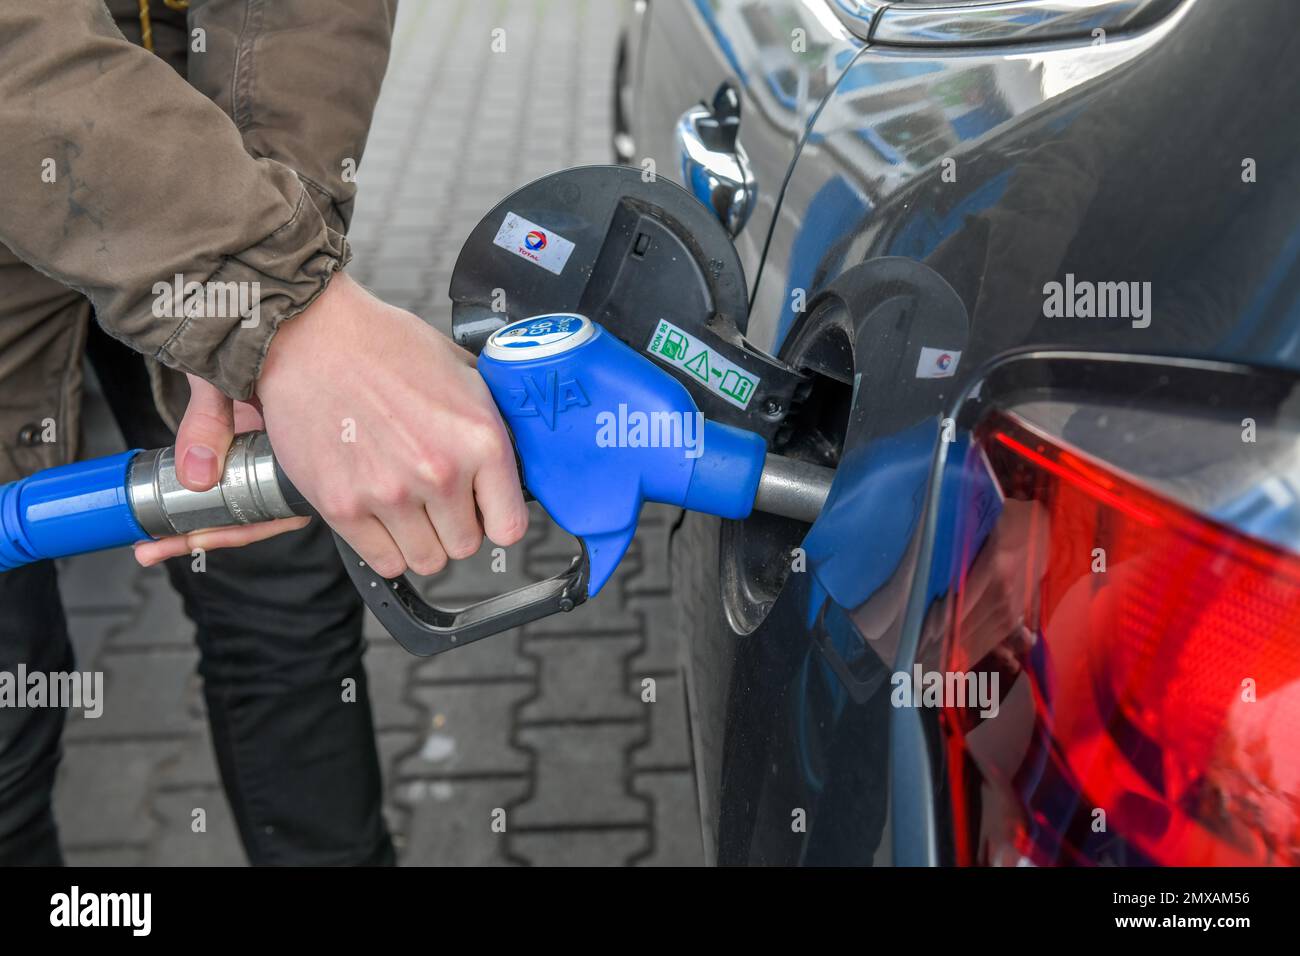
(937, 363)
(718, 373)
(538, 245)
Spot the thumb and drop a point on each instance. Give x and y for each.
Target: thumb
(204, 436)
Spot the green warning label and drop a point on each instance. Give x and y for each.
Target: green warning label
(717, 372)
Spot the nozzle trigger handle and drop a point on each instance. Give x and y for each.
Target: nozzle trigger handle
(425, 630)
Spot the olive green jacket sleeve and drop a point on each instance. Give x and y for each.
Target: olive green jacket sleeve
(300, 79)
(117, 176)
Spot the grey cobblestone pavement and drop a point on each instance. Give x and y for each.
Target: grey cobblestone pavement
(546, 722)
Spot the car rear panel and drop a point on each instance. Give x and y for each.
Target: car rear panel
(955, 211)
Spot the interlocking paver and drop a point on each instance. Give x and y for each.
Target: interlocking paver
(104, 793)
(667, 744)
(580, 847)
(151, 694)
(104, 856)
(394, 745)
(177, 840)
(603, 614)
(160, 620)
(191, 765)
(581, 679)
(467, 731)
(580, 771)
(494, 658)
(676, 828)
(661, 650)
(451, 820)
(649, 575)
(386, 671)
(97, 583)
(89, 631)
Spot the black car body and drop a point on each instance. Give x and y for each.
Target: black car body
(1041, 260)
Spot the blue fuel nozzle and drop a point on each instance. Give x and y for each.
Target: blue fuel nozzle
(601, 429)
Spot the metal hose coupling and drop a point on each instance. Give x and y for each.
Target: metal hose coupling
(252, 489)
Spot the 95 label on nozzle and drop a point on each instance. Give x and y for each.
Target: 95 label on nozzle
(715, 371)
(540, 246)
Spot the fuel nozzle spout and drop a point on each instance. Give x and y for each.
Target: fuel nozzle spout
(793, 488)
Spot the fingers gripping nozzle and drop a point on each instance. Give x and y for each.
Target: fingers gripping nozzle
(252, 489)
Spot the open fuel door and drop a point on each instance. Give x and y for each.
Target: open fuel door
(647, 261)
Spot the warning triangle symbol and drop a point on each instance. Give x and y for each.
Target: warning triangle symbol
(699, 366)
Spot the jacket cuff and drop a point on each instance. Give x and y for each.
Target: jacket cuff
(275, 279)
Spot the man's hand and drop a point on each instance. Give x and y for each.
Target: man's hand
(211, 422)
(386, 428)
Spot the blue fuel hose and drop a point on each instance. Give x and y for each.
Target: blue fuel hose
(68, 510)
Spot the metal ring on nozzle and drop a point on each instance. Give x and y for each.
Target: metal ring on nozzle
(247, 493)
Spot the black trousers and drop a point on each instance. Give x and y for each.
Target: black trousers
(279, 633)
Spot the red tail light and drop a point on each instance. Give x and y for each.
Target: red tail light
(1150, 670)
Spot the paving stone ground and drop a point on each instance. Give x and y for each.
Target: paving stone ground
(546, 723)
